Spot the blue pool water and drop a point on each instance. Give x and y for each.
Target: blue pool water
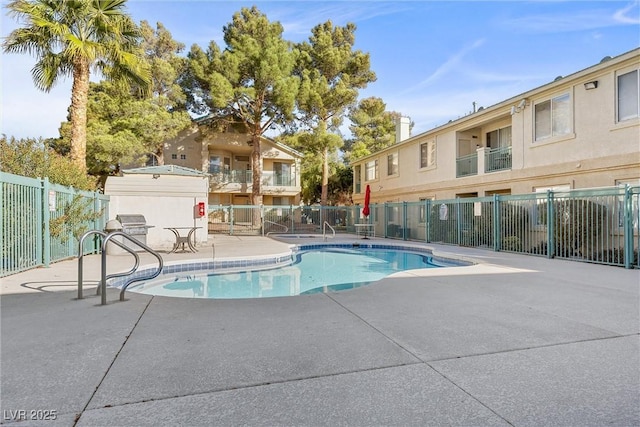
(317, 270)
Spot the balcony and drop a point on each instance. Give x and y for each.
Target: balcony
(497, 159)
(219, 177)
(244, 177)
(467, 165)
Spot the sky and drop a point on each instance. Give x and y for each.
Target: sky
(433, 59)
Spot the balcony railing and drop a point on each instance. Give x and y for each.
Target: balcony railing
(497, 159)
(278, 179)
(269, 178)
(230, 176)
(467, 165)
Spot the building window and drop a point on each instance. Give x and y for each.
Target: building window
(280, 201)
(553, 117)
(282, 172)
(174, 156)
(214, 164)
(628, 96)
(499, 138)
(371, 170)
(392, 164)
(357, 179)
(183, 157)
(427, 154)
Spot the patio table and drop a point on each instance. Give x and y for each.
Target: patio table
(189, 238)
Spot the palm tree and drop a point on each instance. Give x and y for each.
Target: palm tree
(69, 37)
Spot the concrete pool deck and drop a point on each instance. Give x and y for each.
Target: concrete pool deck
(513, 340)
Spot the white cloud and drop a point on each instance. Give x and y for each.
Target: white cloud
(588, 19)
(623, 15)
(444, 70)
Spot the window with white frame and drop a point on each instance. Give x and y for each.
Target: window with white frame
(553, 117)
(392, 164)
(371, 170)
(629, 95)
(428, 154)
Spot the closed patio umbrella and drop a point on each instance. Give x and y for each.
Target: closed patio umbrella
(365, 209)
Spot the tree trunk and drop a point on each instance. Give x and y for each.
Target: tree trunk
(256, 179)
(79, 101)
(160, 156)
(325, 177)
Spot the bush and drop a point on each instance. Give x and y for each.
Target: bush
(614, 256)
(576, 222)
(33, 159)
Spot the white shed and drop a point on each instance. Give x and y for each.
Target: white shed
(167, 196)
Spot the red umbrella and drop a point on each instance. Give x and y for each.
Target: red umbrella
(367, 196)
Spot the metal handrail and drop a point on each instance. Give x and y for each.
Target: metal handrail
(81, 256)
(103, 282)
(286, 229)
(324, 231)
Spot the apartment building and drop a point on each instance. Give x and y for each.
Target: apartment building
(225, 154)
(579, 131)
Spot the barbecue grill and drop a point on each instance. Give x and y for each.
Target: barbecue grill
(136, 226)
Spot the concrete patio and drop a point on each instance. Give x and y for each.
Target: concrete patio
(512, 340)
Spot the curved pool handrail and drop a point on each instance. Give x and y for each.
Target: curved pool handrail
(286, 229)
(125, 273)
(324, 231)
(81, 256)
(103, 282)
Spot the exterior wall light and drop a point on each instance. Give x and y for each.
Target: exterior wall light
(591, 85)
(516, 109)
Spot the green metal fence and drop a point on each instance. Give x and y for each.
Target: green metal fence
(595, 225)
(41, 222)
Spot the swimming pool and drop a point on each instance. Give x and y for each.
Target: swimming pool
(310, 269)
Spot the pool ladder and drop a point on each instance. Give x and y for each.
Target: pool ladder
(102, 286)
(324, 231)
(286, 229)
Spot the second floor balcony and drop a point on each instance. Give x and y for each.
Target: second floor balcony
(497, 159)
(269, 178)
(485, 160)
(467, 165)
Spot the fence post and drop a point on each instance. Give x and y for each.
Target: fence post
(551, 241)
(404, 221)
(628, 226)
(427, 220)
(46, 232)
(231, 220)
(497, 221)
(384, 224)
(291, 219)
(459, 228)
